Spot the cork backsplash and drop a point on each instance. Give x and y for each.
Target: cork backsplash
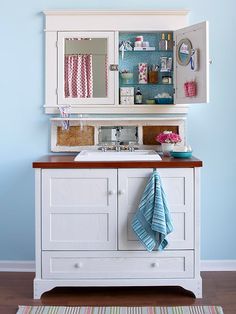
(150, 131)
(75, 136)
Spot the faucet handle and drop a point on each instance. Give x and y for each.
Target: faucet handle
(131, 146)
(104, 147)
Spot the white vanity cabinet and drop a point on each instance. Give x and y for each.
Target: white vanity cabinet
(83, 233)
(83, 60)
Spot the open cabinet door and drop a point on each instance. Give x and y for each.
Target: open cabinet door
(191, 58)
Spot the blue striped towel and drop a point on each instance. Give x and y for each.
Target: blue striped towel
(152, 222)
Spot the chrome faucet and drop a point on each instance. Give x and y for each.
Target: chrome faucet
(117, 146)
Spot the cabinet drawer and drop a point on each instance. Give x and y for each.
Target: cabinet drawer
(82, 265)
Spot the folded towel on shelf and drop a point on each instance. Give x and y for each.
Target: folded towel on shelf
(152, 222)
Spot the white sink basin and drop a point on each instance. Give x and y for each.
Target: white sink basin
(97, 155)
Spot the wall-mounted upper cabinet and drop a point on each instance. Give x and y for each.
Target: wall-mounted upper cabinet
(97, 62)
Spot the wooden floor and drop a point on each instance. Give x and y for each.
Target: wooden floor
(219, 288)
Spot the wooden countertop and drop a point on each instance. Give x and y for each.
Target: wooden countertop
(67, 161)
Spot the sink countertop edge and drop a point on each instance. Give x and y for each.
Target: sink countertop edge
(67, 161)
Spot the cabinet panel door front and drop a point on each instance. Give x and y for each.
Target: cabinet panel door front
(79, 209)
(84, 76)
(192, 74)
(178, 186)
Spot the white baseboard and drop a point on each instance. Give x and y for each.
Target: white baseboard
(218, 265)
(205, 265)
(17, 266)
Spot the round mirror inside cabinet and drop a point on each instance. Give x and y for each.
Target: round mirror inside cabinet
(184, 49)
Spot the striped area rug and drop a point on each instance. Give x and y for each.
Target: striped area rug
(119, 310)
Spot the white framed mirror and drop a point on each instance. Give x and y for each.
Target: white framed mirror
(84, 75)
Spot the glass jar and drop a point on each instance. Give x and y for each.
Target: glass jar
(166, 79)
(153, 77)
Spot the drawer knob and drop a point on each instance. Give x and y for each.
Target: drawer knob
(111, 192)
(121, 192)
(155, 264)
(78, 265)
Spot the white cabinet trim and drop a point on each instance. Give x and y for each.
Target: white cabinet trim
(116, 12)
(115, 20)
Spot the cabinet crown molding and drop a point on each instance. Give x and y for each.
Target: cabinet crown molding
(116, 12)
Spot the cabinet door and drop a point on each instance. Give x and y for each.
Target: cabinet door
(84, 76)
(178, 186)
(192, 64)
(79, 209)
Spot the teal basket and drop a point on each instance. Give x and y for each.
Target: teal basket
(164, 101)
(181, 154)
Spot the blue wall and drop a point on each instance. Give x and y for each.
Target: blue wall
(25, 129)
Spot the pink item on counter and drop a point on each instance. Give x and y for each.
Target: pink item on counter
(143, 73)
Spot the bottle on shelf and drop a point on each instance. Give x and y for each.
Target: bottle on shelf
(170, 43)
(163, 42)
(138, 96)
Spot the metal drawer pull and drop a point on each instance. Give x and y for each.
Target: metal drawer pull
(78, 265)
(111, 192)
(155, 264)
(121, 192)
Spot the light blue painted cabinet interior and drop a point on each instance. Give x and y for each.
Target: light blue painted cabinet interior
(129, 60)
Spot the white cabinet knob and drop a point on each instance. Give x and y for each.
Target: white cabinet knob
(78, 265)
(121, 192)
(155, 265)
(111, 192)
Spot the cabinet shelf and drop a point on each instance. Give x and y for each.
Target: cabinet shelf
(145, 104)
(143, 85)
(142, 51)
